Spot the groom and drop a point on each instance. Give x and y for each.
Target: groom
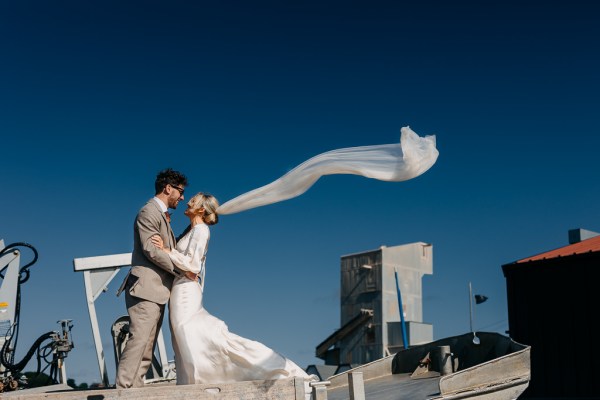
(148, 285)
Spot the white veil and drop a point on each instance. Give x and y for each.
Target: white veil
(387, 162)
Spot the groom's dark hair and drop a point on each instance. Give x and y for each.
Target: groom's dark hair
(169, 177)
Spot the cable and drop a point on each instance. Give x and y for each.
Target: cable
(23, 277)
(24, 269)
(16, 368)
(7, 357)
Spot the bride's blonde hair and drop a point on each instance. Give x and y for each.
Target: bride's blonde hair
(209, 203)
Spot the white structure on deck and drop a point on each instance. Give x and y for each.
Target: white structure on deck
(98, 272)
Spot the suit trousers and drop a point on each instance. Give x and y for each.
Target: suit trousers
(146, 319)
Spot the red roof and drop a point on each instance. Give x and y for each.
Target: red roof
(585, 246)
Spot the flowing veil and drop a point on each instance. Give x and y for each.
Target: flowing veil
(387, 162)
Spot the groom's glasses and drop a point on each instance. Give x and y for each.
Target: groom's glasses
(180, 190)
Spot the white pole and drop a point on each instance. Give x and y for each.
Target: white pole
(471, 306)
(63, 371)
(95, 329)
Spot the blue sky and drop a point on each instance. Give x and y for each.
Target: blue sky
(97, 97)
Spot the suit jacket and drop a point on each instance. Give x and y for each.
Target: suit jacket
(152, 271)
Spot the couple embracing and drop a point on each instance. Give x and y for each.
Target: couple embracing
(165, 270)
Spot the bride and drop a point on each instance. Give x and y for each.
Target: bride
(205, 350)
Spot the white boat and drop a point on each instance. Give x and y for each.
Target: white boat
(497, 368)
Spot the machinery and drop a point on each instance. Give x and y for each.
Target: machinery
(50, 349)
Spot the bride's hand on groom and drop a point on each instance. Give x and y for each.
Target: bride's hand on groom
(191, 276)
(158, 242)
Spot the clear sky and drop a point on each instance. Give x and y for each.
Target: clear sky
(97, 96)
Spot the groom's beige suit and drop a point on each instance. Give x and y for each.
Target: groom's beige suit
(147, 289)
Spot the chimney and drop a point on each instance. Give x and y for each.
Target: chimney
(577, 235)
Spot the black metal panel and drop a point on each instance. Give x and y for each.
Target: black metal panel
(552, 305)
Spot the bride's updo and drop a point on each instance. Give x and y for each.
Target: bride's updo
(209, 203)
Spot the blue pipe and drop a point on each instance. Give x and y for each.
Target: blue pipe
(402, 323)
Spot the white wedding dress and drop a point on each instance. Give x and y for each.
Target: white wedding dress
(205, 350)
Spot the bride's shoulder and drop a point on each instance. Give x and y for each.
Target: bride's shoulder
(201, 233)
(201, 229)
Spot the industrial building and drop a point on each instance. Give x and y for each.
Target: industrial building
(373, 284)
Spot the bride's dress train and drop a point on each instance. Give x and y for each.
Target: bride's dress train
(205, 350)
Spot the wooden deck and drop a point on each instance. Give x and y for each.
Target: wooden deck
(497, 368)
(282, 389)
